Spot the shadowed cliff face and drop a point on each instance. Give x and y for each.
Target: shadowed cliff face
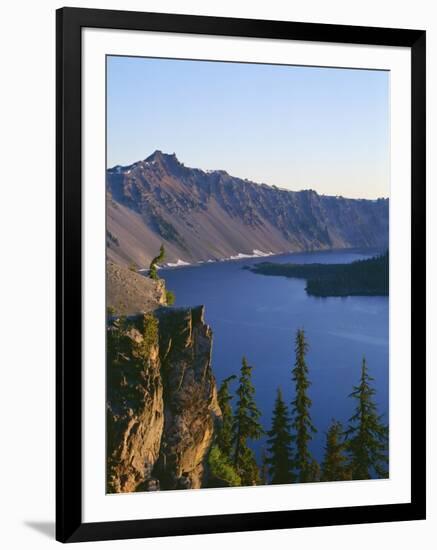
(161, 401)
(212, 215)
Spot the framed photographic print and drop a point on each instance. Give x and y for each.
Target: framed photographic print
(241, 274)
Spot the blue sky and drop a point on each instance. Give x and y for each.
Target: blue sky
(294, 127)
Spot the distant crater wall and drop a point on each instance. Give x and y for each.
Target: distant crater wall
(212, 215)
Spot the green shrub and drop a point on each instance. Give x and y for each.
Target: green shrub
(170, 297)
(221, 468)
(150, 334)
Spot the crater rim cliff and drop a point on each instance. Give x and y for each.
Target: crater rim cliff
(210, 215)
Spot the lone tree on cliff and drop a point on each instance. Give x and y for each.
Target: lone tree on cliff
(153, 271)
(279, 457)
(225, 431)
(303, 428)
(334, 465)
(366, 434)
(246, 426)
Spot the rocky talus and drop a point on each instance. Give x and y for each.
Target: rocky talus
(161, 401)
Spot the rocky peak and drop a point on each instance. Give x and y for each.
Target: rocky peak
(167, 161)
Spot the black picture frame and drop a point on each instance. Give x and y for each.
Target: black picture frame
(69, 525)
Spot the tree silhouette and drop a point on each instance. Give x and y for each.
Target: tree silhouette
(224, 437)
(302, 425)
(246, 426)
(334, 465)
(279, 457)
(366, 435)
(153, 271)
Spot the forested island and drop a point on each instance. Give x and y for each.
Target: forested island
(360, 278)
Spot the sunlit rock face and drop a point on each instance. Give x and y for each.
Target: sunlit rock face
(162, 400)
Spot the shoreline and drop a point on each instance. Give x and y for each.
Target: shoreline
(260, 255)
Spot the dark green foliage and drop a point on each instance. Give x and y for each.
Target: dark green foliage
(302, 425)
(334, 466)
(264, 470)
(224, 437)
(170, 297)
(153, 271)
(246, 426)
(314, 471)
(149, 330)
(222, 472)
(153, 274)
(367, 436)
(360, 278)
(279, 457)
(248, 468)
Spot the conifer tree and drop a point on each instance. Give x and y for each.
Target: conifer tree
(246, 426)
(225, 431)
(334, 465)
(314, 471)
(153, 272)
(366, 434)
(264, 473)
(302, 425)
(279, 451)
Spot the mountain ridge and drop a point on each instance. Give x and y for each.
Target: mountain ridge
(210, 215)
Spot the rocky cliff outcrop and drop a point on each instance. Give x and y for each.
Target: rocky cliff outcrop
(190, 397)
(161, 400)
(212, 215)
(130, 292)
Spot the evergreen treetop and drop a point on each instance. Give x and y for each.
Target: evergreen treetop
(279, 457)
(302, 425)
(225, 430)
(246, 426)
(153, 271)
(366, 435)
(334, 465)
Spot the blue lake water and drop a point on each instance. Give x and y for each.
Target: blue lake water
(257, 316)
